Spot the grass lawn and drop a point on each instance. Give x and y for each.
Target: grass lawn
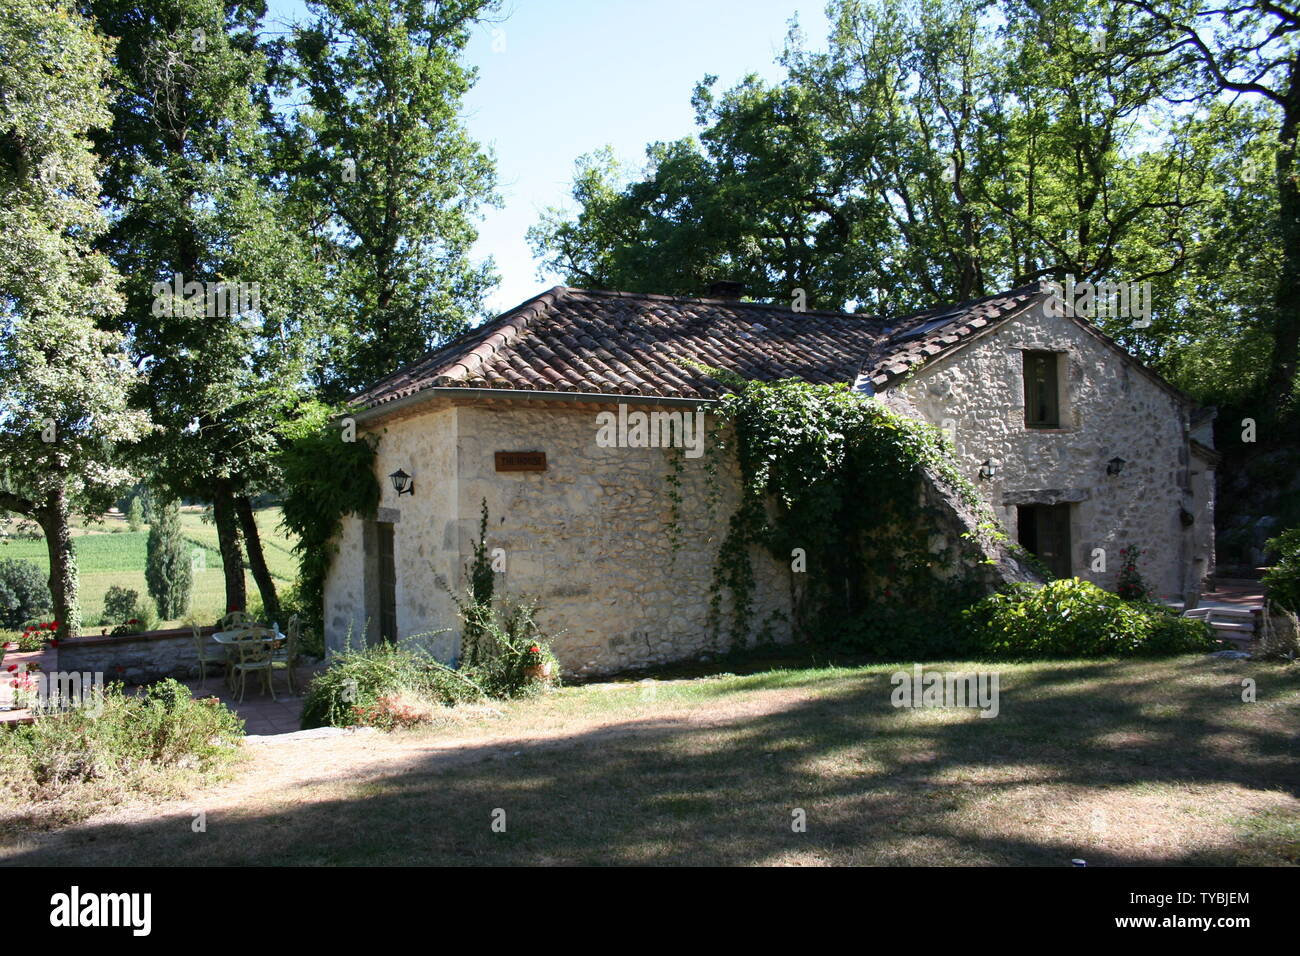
(108, 554)
(1139, 762)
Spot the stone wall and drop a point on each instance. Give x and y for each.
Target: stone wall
(1111, 409)
(589, 538)
(426, 542)
(136, 658)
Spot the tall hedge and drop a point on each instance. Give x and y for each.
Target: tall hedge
(167, 570)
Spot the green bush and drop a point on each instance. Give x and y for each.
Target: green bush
(24, 593)
(131, 743)
(1075, 618)
(359, 678)
(364, 682)
(120, 605)
(509, 642)
(1283, 579)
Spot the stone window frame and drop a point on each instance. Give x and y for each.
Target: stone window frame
(1067, 410)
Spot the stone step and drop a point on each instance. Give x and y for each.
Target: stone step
(1230, 626)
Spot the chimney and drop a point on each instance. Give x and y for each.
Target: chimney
(726, 289)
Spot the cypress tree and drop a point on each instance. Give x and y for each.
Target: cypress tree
(167, 564)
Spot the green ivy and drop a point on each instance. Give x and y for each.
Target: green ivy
(836, 474)
(325, 477)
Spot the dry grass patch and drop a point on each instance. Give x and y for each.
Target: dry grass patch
(1150, 762)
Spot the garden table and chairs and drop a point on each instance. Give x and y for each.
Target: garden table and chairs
(245, 647)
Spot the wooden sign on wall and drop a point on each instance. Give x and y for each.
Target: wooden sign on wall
(521, 460)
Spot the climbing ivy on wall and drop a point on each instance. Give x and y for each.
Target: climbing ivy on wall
(326, 476)
(838, 476)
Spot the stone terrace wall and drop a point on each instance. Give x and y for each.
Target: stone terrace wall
(142, 658)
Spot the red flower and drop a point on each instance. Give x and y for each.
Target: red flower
(888, 593)
(534, 649)
(11, 668)
(133, 621)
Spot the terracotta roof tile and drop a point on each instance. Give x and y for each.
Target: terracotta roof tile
(617, 343)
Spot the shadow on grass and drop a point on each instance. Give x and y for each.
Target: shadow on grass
(878, 785)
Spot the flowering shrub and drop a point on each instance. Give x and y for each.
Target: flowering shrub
(24, 685)
(132, 626)
(1130, 585)
(35, 636)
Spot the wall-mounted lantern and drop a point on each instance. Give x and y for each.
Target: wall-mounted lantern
(1115, 466)
(988, 470)
(402, 483)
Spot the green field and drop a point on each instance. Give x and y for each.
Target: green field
(106, 557)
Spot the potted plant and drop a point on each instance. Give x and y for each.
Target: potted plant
(539, 662)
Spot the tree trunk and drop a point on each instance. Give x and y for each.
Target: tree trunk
(1286, 303)
(232, 564)
(256, 559)
(53, 519)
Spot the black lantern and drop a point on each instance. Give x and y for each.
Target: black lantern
(1115, 466)
(402, 483)
(987, 470)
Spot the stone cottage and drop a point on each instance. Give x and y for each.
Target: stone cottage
(1079, 449)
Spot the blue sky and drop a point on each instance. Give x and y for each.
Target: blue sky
(560, 78)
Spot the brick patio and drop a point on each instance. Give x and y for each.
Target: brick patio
(263, 717)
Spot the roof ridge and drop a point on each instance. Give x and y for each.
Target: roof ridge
(772, 306)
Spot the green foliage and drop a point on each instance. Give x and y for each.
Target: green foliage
(325, 478)
(843, 475)
(511, 643)
(131, 738)
(1075, 618)
(360, 678)
(121, 605)
(168, 570)
(939, 150)
(381, 163)
(370, 684)
(24, 592)
(1283, 579)
(135, 514)
(476, 610)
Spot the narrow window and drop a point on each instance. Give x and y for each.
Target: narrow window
(1042, 407)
